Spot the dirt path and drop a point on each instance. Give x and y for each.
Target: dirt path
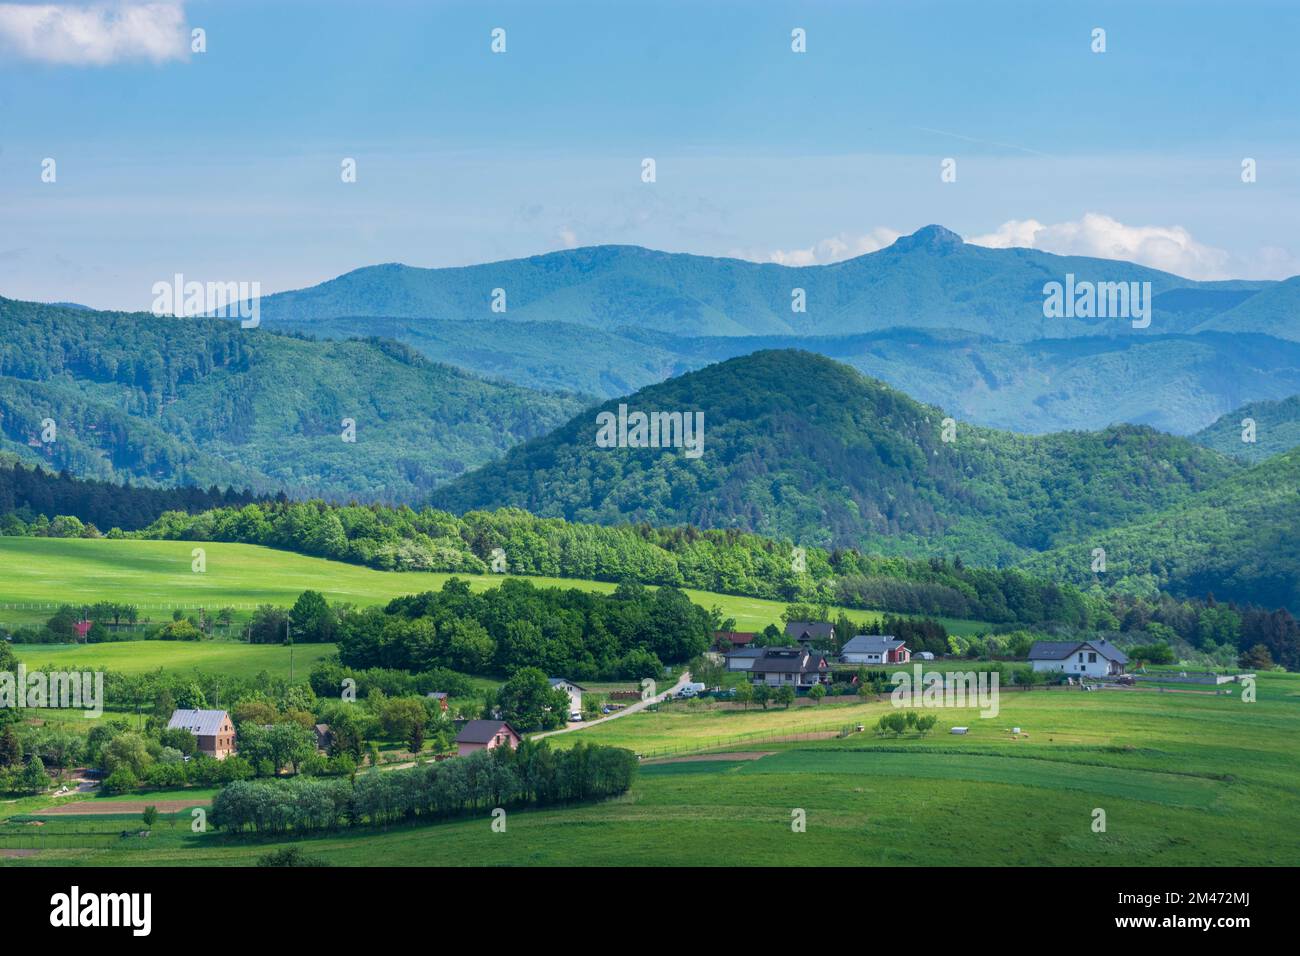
(640, 705)
(104, 807)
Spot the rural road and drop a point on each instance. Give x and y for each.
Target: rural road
(630, 709)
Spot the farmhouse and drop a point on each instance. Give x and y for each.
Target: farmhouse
(485, 735)
(743, 659)
(793, 666)
(212, 728)
(732, 640)
(811, 633)
(1079, 658)
(573, 690)
(875, 649)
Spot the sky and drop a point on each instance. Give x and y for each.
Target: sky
(226, 164)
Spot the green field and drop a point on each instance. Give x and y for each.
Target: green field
(135, 657)
(38, 574)
(1183, 780)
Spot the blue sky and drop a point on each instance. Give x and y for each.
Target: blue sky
(225, 165)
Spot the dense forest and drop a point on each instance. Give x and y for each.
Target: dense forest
(629, 634)
(172, 401)
(798, 446)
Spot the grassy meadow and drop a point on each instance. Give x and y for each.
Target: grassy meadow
(1183, 779)
(38, 574)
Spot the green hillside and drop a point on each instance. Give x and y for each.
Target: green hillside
(799, 446)
(199, 401)
(1239, 540)
(1277, 429)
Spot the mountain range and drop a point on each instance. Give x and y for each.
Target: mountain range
(952, 323)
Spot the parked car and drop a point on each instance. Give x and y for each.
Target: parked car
(574, 717)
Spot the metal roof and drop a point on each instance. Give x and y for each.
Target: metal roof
(201, 723)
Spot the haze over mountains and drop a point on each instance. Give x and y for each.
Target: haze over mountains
(948, 322)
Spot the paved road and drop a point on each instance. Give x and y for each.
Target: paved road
(630, 709)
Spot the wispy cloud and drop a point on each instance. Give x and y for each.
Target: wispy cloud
(833, 249)
(95, 35)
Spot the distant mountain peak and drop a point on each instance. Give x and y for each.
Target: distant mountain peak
(930, 238)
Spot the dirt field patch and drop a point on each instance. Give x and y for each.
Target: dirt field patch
(16, 854)
(733, 755)
(104, 807)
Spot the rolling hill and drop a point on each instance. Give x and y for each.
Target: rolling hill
(201, 401)
(1277, 429)
(1239, 540)
(798, 445)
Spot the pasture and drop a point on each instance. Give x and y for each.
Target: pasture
(1182, 780)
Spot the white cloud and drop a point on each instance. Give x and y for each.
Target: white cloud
(834, 249)
(95, 35)
(568, 238)
(1170, 248)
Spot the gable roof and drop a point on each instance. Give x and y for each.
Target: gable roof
(201, 723)
(746, 652)
(1060, 650)
(788, 660)
(483, 731)
(557, 681)
(871, 644)
(810, 628)
(735, 638)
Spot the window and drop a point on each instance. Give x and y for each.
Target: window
(1092, 658)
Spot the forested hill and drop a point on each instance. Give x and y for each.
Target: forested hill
(798, 446)
(201, 402)
(1276, 428)
(1240, 540)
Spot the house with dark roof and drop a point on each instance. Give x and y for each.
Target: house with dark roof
(1097, 658)
(811, 633)
(212, 728)
(323, 737)
(790, 667)
(732, 640)
(485, 735)
(875, 649)
(742, 659)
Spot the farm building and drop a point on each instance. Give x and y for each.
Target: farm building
(875, 649)
(212, 728)
(485, 735)
(323, 737)
(573, 690)
(793, 666)
(811, 633)
(1078, 658)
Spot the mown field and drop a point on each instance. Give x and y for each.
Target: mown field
(136, 657)
(1183, 779)
(38, 574)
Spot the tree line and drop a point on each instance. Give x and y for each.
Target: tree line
(532, 776)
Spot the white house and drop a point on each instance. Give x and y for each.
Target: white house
(573, 690)
(795, 666)
(1078, 658)
(875, 649)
